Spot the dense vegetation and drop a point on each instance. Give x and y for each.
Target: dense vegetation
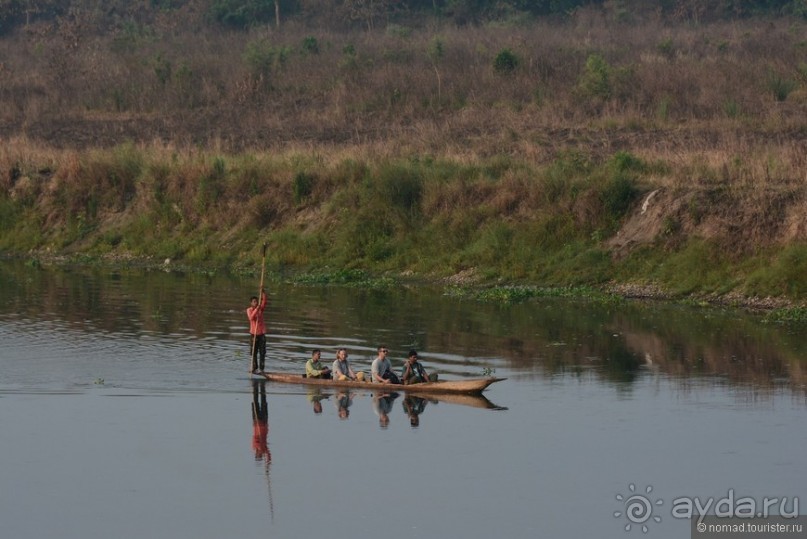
(371, 13)
(554, 143)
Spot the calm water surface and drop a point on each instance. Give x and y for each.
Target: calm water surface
(126, 412)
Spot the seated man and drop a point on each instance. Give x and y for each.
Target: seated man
(341, 368)
(315, 369)
(414, 373)
(382, 369)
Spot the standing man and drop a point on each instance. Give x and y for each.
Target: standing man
(382, 369)
(257, 332)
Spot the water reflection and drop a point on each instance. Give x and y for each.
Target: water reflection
(382, 406)
(344, 400)
(569, 364)
(260, 422)
(260, 434)
(315, 396)
(200, 319)
(383, 403)
(413, 406)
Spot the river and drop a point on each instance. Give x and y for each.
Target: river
(127, 411)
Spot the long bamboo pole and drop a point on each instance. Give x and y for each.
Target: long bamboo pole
(260, 298)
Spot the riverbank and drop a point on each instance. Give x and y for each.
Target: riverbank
(779, 310)
(652, 158)
(621, 223)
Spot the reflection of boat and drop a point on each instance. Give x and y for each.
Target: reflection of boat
(469, 386)
(465, 399)
(474, 400)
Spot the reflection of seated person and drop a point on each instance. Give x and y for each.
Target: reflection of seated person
(382, 406)
(315, 397)
(315, 369)
(260, 421)
(343, 402)
(413, 371)
(341, 368)
(414, 406)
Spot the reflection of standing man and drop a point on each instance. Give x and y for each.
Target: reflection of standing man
(260, 421)
(257, 332)
(260, 433)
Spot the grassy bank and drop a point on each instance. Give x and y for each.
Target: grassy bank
(577, 221)
(642, 153)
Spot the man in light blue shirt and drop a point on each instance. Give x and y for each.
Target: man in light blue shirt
(381, 368)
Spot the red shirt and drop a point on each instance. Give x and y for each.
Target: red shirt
(255, 315)
(259, 441)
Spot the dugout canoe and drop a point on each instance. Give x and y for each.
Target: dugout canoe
(467, 386)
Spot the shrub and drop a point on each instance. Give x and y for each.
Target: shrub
(162, 69)
(310, 45)
(731, 108)
(436, 49)
(211, 185)
(783, 275)
(618, 194)
(262, 58)
(401, 187)
(663, 108)
(595, 82)
(780, 87)
(667, 49)
(350, 59)
(624, 162)
(505, 62)
(302, 186)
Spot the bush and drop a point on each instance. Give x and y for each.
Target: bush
(625, 162)
(211, 185)
(618, 194)
(783, 274)
(505, 62)
(310, 45)
(667, 49)
(401, 187)
(595, 82)
(302, 186)
(780, 87)
(262, 58)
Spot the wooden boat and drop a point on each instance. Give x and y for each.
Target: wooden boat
(468, 386)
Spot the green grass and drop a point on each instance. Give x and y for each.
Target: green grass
(788, 315)
(506, 221)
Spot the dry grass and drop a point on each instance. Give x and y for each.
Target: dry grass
(684, 89)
